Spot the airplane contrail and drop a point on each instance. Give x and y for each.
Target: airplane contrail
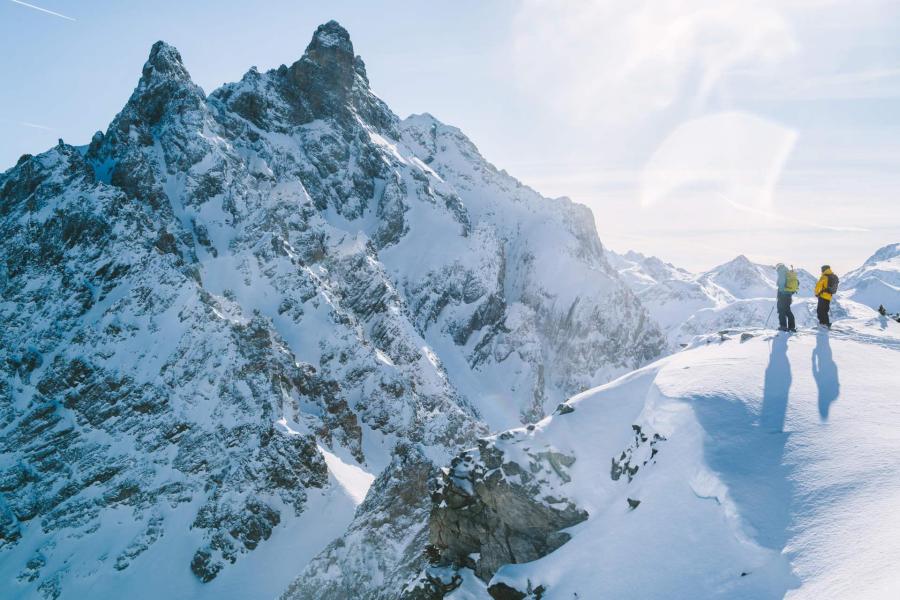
(36, 126)
(43, 10)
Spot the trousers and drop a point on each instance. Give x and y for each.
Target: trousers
(785, 314)
(822, 311)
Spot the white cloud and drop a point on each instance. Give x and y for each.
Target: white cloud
(740, 153)
(880, 82)
(607, 61)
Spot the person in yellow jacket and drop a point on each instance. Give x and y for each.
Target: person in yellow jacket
(826, 288)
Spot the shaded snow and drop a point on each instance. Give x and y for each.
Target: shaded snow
(781, 462)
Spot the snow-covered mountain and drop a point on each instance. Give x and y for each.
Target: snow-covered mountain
(877, 282)
(642, 272)
(739, 293)
(230, 313)
(748, 466)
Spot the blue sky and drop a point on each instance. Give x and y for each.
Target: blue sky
(695, 130)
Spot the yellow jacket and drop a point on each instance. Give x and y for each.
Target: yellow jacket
(822, 285)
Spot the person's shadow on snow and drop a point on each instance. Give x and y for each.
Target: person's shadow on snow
(825, 372)
(761, 487)
(776, 386)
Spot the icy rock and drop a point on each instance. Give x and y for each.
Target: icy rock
(501, 591)
(564, 409)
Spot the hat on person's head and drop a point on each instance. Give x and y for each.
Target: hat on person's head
(825, 267)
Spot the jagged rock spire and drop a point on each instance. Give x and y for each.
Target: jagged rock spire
(328, 66)
(329, 81)
(164, 62)
(165, 87)
(330, 36)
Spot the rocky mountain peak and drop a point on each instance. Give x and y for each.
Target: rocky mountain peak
(165, 87)
(254, 297)
(328, 82)
(740, 261)
(331, 36)
(164, 63)
(328, 63)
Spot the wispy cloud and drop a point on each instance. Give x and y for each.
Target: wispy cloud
(43, 10)
(608, 62)
(783, 218)
(740, 152)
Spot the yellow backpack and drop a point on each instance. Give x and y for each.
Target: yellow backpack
(791, 282)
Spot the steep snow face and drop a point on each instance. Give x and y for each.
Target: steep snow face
(739, 293)
(877, 282)
(222, 315)
(556, 317)
(748, 466)
(560, 317)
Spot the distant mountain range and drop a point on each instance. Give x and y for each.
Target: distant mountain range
(741, 293)
(877, 282)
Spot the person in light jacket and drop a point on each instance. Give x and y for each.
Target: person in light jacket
(784, 297)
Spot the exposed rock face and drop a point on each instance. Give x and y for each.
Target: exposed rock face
(489, 510)
(396, 512)
(219, 288)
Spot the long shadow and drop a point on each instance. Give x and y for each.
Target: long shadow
(746, 450)
(825, 372)
(776, 386)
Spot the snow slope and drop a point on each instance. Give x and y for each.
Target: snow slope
(877, 281)
(765, 466)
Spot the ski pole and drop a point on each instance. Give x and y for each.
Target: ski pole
(769, 317)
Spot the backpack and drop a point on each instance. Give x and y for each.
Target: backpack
(833, 282)
(791, 282)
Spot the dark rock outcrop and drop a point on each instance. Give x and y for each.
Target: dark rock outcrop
(488, 511)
